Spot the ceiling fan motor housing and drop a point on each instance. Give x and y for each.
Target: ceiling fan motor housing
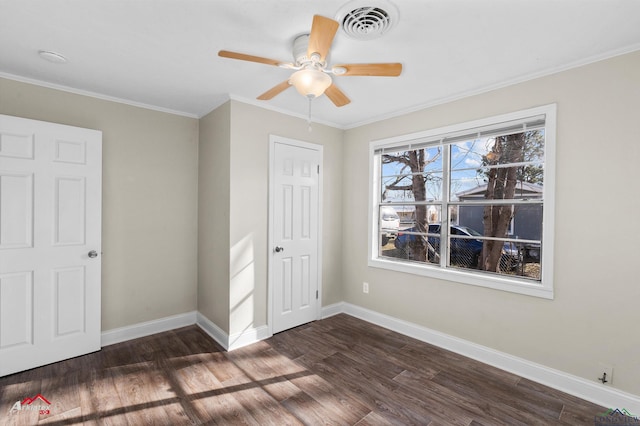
(300, 46)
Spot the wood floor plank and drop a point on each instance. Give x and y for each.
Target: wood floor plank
(223, 368)
(182, 376)
(260, 404)
(162, 390)
(372, 389)
(105, 399)
(444, 398)
(318, 343)
(340, 370)
(495, 402)
(63, 382)
(258, 368)
(440, 411)
(85, 366)
(212, 400)
(132, 370)
(310, 411)
(357, 374)
(345, 408)
(375, 419)
(17, 388)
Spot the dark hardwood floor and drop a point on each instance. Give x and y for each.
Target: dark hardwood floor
(340, 371)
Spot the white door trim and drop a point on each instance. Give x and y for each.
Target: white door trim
(273, 140)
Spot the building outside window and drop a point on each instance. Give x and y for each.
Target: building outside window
(491, 180)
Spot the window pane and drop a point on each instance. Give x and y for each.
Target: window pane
(433, 186)
(418, 216)
(389, 220)
(413, 240)
(515, 249)
(502, 257)
(526, 218)
(412, 188)
(396, 189)
(509, 166)
(409, 176)
(415, 246)
(423, 160)
(501, 150)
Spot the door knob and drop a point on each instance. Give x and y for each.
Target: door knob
(93, 254)
(279, 249)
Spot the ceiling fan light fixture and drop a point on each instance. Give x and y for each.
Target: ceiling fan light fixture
(310, 82)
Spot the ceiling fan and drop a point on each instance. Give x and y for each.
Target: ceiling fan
(312, 75)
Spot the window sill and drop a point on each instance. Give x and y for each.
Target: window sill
(462, 277)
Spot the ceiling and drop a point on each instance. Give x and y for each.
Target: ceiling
(163, 53)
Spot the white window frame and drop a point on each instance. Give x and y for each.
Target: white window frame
(542, 288)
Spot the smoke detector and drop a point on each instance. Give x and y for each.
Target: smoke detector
(367, 19)
(50, 56)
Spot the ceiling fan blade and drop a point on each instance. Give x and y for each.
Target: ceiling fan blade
(275, 90)
(322, 32)
(382, 70)
(250, 58)
(337, 96)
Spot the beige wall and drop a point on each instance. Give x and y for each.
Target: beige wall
(250, 130)
(595, 314)
(214, 215)
(149, 199)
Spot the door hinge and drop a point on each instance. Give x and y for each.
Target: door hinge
(316, 294)
(318, 168)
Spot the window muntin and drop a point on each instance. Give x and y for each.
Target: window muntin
(498, 172)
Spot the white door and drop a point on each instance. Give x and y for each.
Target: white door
(50, 241)
(295, 194)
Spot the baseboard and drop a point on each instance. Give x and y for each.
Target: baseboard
(331, 310)
(573, 385)
(147, 328)
(251, 335)
(248, 336)
(143, 329)
(236, 340)
(213, 330)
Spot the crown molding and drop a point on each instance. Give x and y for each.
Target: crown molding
(95, 95)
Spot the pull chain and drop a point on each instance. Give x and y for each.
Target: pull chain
(309, 118)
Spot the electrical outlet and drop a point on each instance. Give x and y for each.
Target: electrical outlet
(365, 287)
(605, 375)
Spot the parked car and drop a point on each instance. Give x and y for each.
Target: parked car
(531, 253)
(463, 251)
(389, 223)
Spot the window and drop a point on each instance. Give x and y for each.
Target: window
(491, 180)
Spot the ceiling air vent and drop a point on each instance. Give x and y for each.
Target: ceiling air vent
(366, 20)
